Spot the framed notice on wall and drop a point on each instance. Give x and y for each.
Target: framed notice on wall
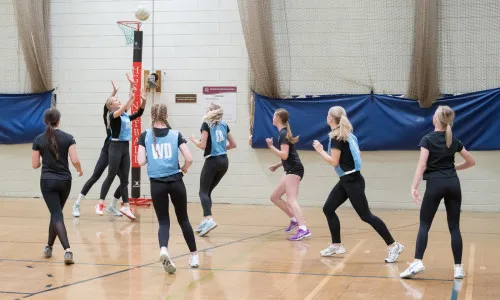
(225, 96)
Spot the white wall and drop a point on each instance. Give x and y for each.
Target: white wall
(197, 43)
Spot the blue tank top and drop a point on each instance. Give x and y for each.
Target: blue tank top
(356, 155)
(125, 129)
(218, 136)
(164, 161)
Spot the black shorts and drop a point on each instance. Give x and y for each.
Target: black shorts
(298, 172)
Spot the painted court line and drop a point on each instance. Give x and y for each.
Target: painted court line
(339, 267)
(470, 276)
(145, 265)
(14, 293)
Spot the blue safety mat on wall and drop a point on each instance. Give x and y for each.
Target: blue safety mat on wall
(21, 116)
(383, 122)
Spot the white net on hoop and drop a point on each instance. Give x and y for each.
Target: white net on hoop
(128, 28)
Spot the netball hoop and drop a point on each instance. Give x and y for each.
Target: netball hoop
(133, 36)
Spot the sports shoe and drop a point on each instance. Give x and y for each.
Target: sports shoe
(194, 261)
(300, 234)
(332, 250)
(209, 226)
(292, 226)
(76, 210)
(68, 258)
(167, 263)
(414, 268)
(99, 209)
(113, 211)
(458, 271)
(127, 212)
(393, 252)
(200, 227)
(47, 251)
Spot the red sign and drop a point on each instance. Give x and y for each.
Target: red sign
(210, 90)
(136, 124)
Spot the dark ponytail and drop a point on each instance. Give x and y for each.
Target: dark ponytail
(105, 116)
(51, 118)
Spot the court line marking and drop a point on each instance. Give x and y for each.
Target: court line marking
(337, 268)
(470, 278)
(145, 265)
(14, 293)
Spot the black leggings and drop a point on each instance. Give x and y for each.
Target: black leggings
(214, 169)
(119, 164)
(352, 186)
(160, 192)
(100, 166)
(437, 189)
(55, 193)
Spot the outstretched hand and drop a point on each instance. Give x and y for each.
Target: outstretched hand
(317, 146)
(115, 88)
(144, 94)
(130, 80)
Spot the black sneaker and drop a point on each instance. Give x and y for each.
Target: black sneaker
(68, 258)
(47, 251)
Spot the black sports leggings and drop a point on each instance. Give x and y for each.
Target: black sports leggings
(160, 192)
(214, 169)
(55, 193)
(101, 165)
(352, 186)
(119, 164)
(437, 189)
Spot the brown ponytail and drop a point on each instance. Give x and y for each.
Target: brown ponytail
(51, 119)
(283, 115)
(158, 114)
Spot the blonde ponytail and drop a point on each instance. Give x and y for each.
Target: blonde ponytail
(445, 116)
(344, 128)
(214, 115)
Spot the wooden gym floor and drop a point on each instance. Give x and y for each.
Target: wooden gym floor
(246, 257)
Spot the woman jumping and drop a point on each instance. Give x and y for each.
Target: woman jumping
(294, 172)
(159, 148)
(216, 139)
(53, 147)
(344, 155)
(101, 165)
(118, 152)
(437, 165)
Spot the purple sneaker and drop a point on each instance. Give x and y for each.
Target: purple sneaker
(292, 226)
(301, 234)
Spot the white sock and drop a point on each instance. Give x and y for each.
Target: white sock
(80, 198)
(293, 219)
(303, 227)
(114, 201)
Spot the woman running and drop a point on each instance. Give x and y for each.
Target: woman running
(118, 152)
(53, 147)
(294, 172)
(216, 139)
(101, 165)
(159, 148)
(344, 155)
(437, 165)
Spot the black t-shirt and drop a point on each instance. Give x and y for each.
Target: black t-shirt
(116, 123)
(162, 132)
(441, 161)
(52, 168)
(208, 147)
(346, 161)
(292, 163)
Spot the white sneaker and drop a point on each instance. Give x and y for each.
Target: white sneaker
(194, 261)
(76, 210)
(99, 208)
(127, 212)
(414, 268)
(458, 271)
(167, 263)
(332, 250)
(393, 252)
(209, 226)
(200, 227)
(113, 211)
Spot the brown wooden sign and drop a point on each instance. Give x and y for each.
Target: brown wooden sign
(185, 98)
